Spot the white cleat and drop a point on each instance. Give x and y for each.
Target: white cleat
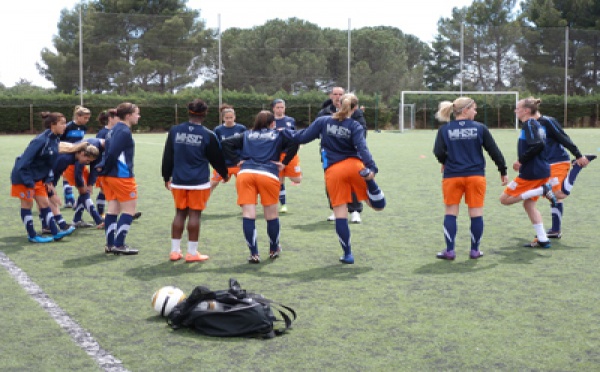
(355, 218)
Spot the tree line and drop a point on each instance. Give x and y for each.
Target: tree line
(165, 47)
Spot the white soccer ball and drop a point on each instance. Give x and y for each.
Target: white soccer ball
(165, 299)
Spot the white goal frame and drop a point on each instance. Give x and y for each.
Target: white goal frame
(456, 93)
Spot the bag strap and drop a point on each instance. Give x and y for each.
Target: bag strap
(280, 309)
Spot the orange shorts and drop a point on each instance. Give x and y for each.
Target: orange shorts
(25, 193)
(120, 189)
(342, 179)
(231, 171)
(560, 172)
(472, 187)
(292, 169)
(192, 199)
(99, 182)
(250, 185)
(518, 186)
(69, 174)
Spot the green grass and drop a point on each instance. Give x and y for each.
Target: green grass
(397, 308)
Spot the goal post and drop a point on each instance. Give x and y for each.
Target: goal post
(404, 105)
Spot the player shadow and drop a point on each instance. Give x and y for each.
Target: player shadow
(339, 272)
(89, 260)
(314, 226)
(166, 269)
(217, 216)
(517, 254)
(458, 266)
(13, 244)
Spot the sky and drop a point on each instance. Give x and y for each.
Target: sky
(27, 28)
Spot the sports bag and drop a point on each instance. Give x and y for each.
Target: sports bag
(231, 312)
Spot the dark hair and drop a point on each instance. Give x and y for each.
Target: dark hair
(276, 101)
(197, 109)
(263, 120)
(104, 115)
(124, 109)
(51, 118)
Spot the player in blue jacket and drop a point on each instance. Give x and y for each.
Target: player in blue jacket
(107, 119)
(261, 149)
(32, 177)
(189, 150)
(533, 168)
(229, 128)
(292, 170)
(349, 166)
(116, 169)
(78, 155)
(459, 148)
(74, 132)
(561, 174)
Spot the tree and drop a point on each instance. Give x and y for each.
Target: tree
(490, 28)
(543, 45)
(128, 45)
(442, 66)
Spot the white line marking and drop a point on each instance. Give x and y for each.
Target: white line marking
(80, 336)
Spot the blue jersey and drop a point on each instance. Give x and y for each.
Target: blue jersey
(102, 132)
(557, 142)
(35, 164)
(223, 132)
(73, 133)
(285, 122)
(340, 140)
(189, 150)
(63, 161)
(459, 147)
(119, 150)
(530, 149)
(259, 150)
(99, 144)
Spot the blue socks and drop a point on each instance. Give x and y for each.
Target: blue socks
(567, 184)
(68, 191)
(123, 225)
(27, 219)
(49, 219)
(557, 214)
(249, 227)
(282, 194)
(375, 194)
(476, 232)
(343, 232)
(110, 226)
(100, 202)
(450, 231)
(273, 232)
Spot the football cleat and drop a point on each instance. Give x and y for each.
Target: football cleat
(124, 250)
(175, 256)
(275, 254)
(62, 233)
(195, 257)
(254, 259)
(82, 224)
(331, 218)
(39, 239)
(536, 243)
(446, 255)
(283, 209)
(549, 194)
(475, 254)
(347, 259)
(355, 217)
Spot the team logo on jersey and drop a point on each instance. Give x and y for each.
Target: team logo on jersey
(338, 131)
(262, 135)
(188, 139)
(191, 128)
(462, 134)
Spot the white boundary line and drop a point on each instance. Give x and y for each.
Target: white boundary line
(80, 336)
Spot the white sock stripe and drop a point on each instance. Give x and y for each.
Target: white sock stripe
(27, 219)
(377, 197)
(567, 186)
(49, 217)
(123, 229)
(111, 228)
(447, 234)
(282, 192)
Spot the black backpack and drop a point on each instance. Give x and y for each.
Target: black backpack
(232, 312)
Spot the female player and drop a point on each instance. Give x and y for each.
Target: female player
(292, 170)
(349, 166)
(261, 148)
(458, 147)
(562, 175)
(75, 132)
(118, 180)
(78, 155)
(228, 129)
(32, 179)
(189, 150)
(533, 168)
(107, 119)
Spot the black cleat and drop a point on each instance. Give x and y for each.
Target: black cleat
(137, 215)
(124, 250)
(549, 194)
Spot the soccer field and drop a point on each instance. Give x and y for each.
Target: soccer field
(397, 309)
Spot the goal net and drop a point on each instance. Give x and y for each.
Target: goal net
(417, 108)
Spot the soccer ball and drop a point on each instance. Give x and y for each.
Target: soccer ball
(165, 299)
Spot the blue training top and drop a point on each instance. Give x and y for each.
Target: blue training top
(119, 150)
(530, 149)
(36, 162)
